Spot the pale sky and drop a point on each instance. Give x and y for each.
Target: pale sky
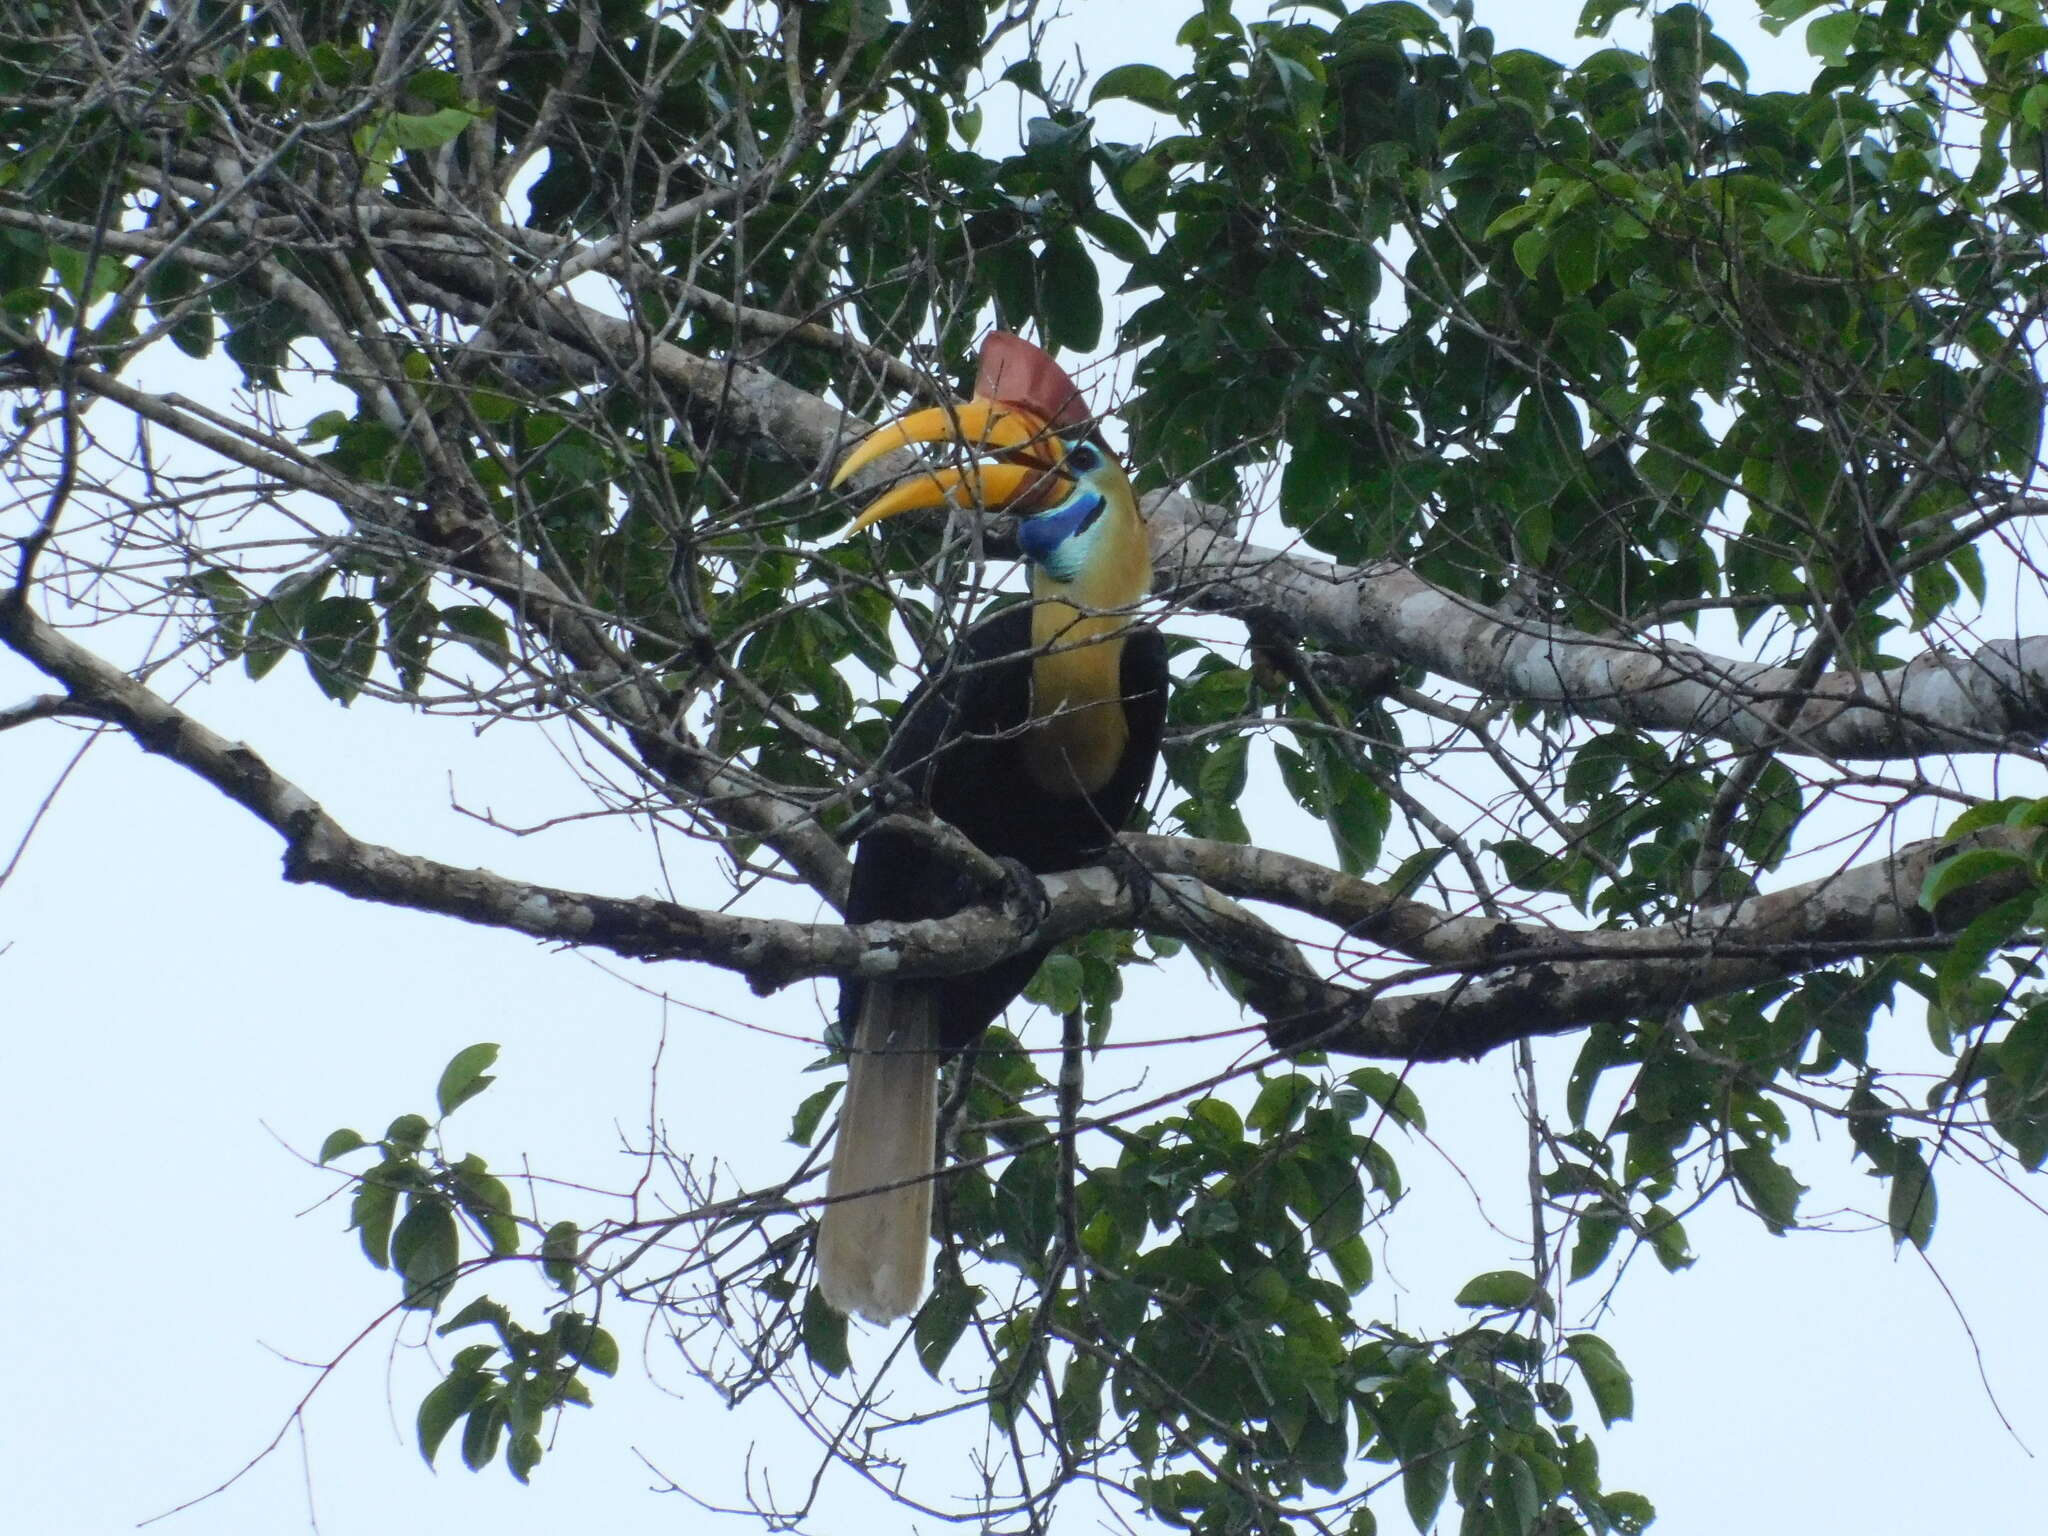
(181, 1025)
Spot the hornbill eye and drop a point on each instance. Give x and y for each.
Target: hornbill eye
(1084, 458)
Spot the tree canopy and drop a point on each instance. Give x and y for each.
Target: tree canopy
(1598, 494)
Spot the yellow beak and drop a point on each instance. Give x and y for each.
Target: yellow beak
(1017, 463)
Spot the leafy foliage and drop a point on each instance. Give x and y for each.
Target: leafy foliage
(1618, 347)
(491, 1389)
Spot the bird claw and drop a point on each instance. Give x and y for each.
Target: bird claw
(1024, 894)
(1135, 874)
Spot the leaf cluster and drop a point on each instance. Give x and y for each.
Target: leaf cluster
(493, 1390)
(1619, 346)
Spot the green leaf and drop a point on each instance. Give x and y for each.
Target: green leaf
(522, 1454)
(595, 1349)
(1409, 874)
(1069, 295)
(1357, 814)
(1516, 1498)
(1912, 1207)
(481, 1310)
(1769, 1185)
(558, 1252)
(480, 1435)
(1576, 254)
(1513, 219)
(274, 628)
(1614, 1395)
(1215, 1121)
(1829, 37)
(1280, 1104)
(1779, 14)
(2030, 38)
(339, 1143)
(1966, 869)
(1027, 1207)
(1667, 1239)
(1146, 84)
(1116, 236)
(425, 1250)
(439, 87)
(326, 425)
(1080, 1401)
(824, 1335)
(452, 1397)
(2017, 1096)
(463, 1078)
(371, 1213)
(1967, 995)
(339, 638)
(1500, 1289)
(176, 297)
(941, 1320)
(413, 130)
(73, 267)
(1393, 1095)
(1425, 1472)
(1224, 771)
(1597, 1234)
(1353, 1262)
(574, 1391)
(803, 1125)
(1057, 983)
(230, 603)
(480, 629)
(1630, 1512)
(486, 1201)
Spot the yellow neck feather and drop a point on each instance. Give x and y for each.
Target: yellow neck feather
(1077, 656)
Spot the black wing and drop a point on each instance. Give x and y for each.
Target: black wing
(955, 749)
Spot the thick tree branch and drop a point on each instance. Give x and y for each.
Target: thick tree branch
(769, 952)
(1521, 980)
(1989, 701)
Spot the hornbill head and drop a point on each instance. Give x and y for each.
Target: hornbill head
(1037, 455)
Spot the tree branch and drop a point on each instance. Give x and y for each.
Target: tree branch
(770, 953)
(1988, 701)
(48, 706)
(1519, 980)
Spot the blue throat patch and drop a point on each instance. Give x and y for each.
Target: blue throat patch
(1057, 537)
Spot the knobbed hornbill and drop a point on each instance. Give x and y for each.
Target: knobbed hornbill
(1036, 739)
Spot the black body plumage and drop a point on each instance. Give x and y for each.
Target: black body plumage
(956, 750)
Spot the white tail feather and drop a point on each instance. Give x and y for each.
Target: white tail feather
(872, 1248)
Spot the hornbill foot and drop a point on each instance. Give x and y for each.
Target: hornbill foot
(1023, 895)
(1132, 871)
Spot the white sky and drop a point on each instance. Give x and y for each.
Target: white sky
(177, 1020)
